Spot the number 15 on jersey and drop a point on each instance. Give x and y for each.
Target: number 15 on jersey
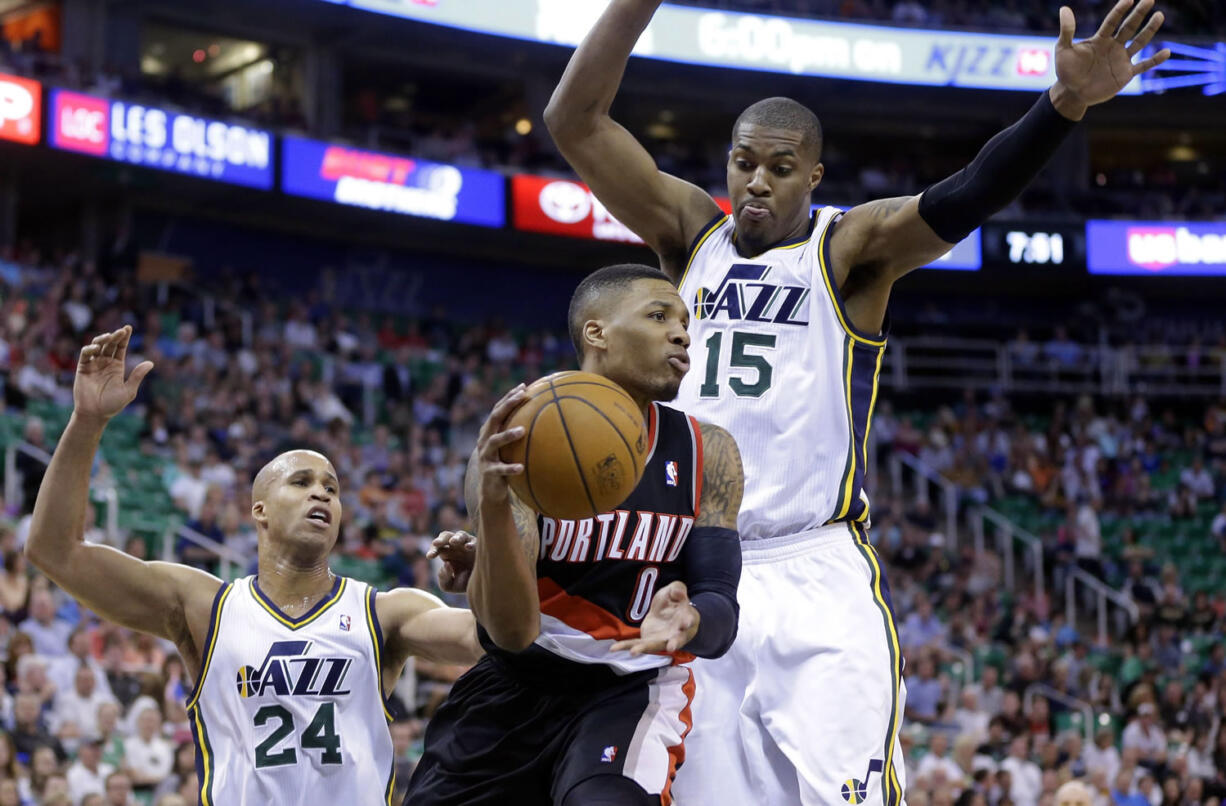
(741, 360)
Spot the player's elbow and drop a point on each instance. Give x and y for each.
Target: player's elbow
(566, 123)
(35, 554)
(515, 637)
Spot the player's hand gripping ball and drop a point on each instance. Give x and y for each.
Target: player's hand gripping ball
(584, 445)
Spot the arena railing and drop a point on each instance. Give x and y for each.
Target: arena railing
(1007, 533)
(106, 493)
(228, 558)
(209, 306)
(1103, 595)
(922, 477)
(1072, 703)
(937, 362)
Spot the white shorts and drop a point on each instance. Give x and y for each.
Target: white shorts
(806, 706)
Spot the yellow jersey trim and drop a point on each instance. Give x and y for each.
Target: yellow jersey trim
(210, 640)
(836, 300)
(703, 235)
(891, 790)
(372, 627)
(320, 608)
(868, 425)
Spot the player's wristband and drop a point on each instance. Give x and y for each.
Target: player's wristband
(955, 206)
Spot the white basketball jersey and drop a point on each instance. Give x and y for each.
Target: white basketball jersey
(777, 363)
(290, 710)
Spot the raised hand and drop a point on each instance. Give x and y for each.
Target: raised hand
(493, 472)
(99, 391)
(1096, 69)
(458, 551)
(670, 624)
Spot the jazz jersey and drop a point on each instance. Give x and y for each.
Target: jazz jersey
(291, 710)
(596, 576)
(777, 363)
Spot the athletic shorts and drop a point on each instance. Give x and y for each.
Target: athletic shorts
(805, 707)
(500, 741)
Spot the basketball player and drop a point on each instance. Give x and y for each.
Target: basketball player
(591, 707)
(291, 664)
(790, 327)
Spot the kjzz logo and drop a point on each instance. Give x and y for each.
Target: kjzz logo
(20, 109)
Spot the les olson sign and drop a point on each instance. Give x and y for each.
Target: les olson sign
(162, 139)
(20, 109)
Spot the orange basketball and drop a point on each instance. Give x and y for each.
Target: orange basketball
(584, 445)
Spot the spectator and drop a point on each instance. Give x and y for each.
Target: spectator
(79, 704)
(48, 631)
(148, 757)
(988, 691)
(1026, 779)
(190, 488)
(922, 627)
(937, 761)
(88, 774)
(32, 679)
(1145, 737)
(1197, 479)
(29, 730)
(14, 583)
(183, 769)
(924, 693)
(63, 669)
(119, 790)
(112, 741)
(969, 717)
(1122, 793)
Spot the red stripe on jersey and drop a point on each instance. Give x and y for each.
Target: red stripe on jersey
(653, 417)
(696, 430)
(579, 613)
(676, 753)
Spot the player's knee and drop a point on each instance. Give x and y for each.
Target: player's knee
(609, 790)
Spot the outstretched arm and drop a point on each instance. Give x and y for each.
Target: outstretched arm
(418, 624)
(885, 239)
(152, 597)
(502, 589)
(663, 210)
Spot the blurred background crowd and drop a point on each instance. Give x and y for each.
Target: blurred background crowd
(1006, 697)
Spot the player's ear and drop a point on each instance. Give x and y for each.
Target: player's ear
(594, 335)
(258, 513)
(815, 176)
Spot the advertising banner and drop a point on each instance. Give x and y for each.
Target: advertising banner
(159, 138)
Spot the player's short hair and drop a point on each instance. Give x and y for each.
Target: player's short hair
(595, 286)
(784, 113)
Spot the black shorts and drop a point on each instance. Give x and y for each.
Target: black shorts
(500, 741)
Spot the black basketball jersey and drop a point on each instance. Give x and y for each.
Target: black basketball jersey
(596, 576)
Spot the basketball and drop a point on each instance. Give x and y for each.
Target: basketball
(584, 445)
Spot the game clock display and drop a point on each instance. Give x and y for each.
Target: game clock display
(1012, 244)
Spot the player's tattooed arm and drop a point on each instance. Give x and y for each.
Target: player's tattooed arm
(700, 614)
(723, 479)
(522, 514)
